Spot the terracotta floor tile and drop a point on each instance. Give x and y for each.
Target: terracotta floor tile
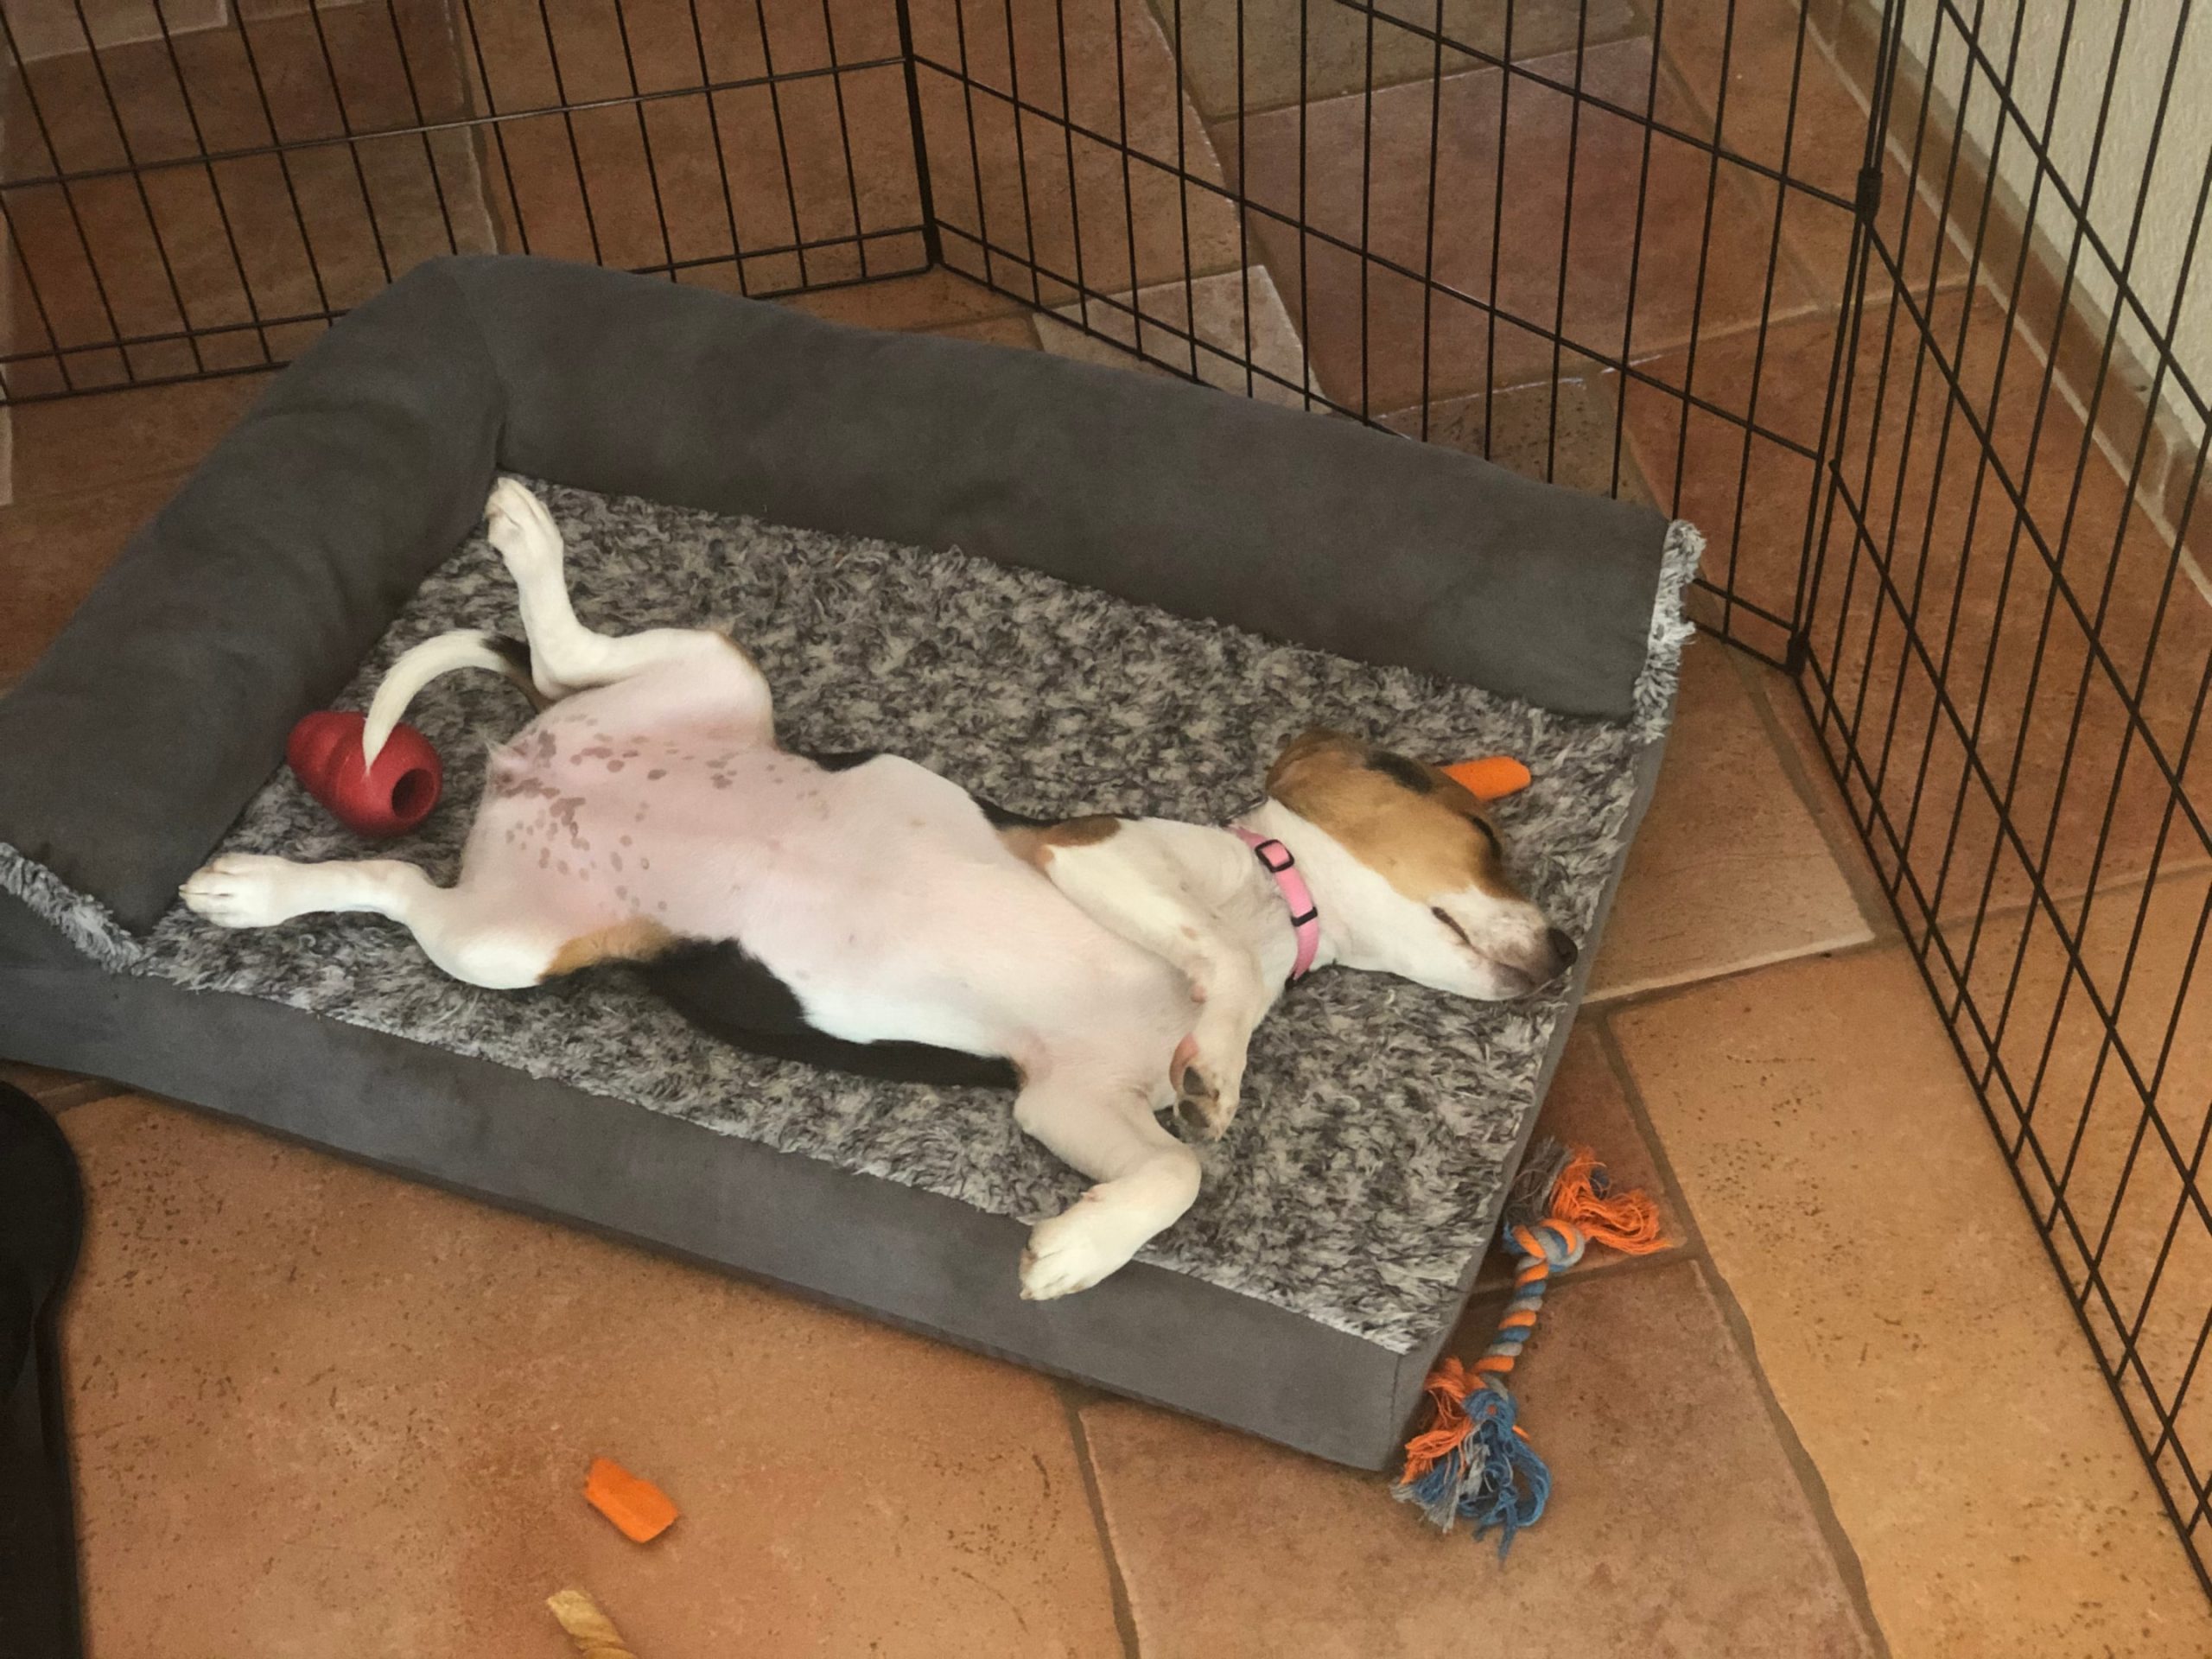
(251, 240)
(1366, 174)
(719, 167)
(1777, 694)
(2007, 599)
(1215, 347)
(1147, 215)
(1849, 1190)
(1586, 1107)
(1779, 383)
(1730, 869)
(47, 28)
(310, 92)
(1562, 431)
(1751, 495)
(1232, 1548)
(1020, 331)
(2129, 1174)
(51, 553)
(934, 299)
(1964, 560)
(1757, 40)
(315, 1409)
(1822, 146)
(75, 444)
(1295, 53)
(56, 1090)
(673, 46)
(688, 179)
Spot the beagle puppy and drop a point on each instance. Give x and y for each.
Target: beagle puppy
(863, 912)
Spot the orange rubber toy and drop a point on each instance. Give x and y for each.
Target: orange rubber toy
(640, 1509)
(1490, 778)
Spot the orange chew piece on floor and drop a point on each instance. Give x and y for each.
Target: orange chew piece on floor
(640, 1509)
(1490, 778)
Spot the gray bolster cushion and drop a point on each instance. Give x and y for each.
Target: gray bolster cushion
(252, 596)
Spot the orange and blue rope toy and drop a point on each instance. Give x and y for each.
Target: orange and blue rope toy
(1474, 1463)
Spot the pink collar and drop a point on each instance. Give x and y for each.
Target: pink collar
(1304, 914)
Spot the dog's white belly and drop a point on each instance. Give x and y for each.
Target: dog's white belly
(879, 894)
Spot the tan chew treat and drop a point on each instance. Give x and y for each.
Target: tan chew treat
(592, 1633)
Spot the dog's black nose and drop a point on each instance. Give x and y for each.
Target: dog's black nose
(1564, 951)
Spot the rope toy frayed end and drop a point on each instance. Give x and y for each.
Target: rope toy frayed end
(1627, 1221)
(1474, 1463)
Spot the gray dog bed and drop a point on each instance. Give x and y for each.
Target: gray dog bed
(896, 528)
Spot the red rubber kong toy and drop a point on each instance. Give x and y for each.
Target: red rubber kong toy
(387, 799)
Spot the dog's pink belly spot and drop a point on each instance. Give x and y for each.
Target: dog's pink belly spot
(591, 801)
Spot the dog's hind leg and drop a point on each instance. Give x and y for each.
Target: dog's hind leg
(566, 656)
(1146, 1178)
(499, 945)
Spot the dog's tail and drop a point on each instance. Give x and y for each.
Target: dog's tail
(462, 648)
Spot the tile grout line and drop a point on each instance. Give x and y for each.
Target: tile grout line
(1601, 1003)
(1614, 996)
(1125, 1618)
(1841, 1551)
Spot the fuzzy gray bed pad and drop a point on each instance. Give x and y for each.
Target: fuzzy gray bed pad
(1047, 582)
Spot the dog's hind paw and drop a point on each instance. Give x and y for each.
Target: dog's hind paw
(518, 525)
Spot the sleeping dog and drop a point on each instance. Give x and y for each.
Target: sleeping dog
(864, 912)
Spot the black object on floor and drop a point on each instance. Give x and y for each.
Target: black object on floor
(41, 1224)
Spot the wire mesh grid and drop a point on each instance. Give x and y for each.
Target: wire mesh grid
(188, 189)
(1822, 278)
(2008, 649)
(1525, 229)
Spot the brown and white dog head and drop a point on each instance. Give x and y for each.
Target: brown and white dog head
(1410, 872)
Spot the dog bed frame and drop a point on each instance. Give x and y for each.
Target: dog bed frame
(799, 473)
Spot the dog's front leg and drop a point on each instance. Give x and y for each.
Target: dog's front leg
(1235, 1002)
(1144, 880)
(1146, 1178)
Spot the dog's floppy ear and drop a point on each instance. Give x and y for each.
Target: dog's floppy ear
(1319, 751)
(1493, 777)
(1315, 744)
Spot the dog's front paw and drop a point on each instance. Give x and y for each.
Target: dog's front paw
(1074, 1249)
(243, 890)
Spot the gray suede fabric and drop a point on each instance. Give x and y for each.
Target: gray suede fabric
(251, 597)
(1193, 499)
